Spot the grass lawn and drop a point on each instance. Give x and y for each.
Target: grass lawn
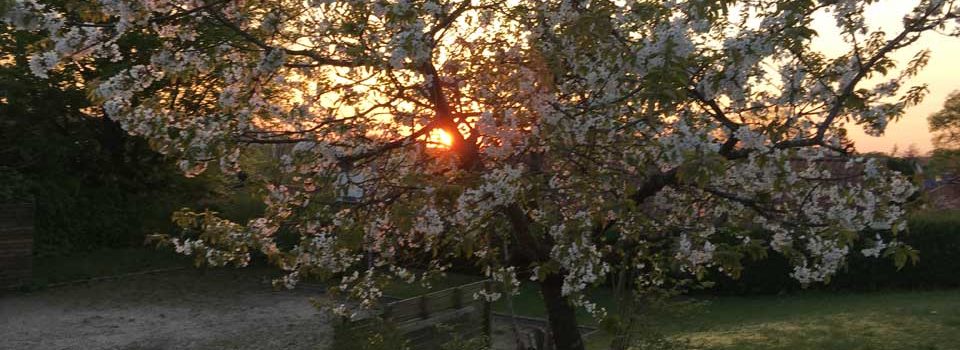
(890, 320)
(921, 320)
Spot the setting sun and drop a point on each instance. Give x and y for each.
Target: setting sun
(439, 138)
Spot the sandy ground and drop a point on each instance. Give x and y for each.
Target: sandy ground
(186, 309)
(173, 310)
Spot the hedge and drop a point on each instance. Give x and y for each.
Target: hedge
(936, 235)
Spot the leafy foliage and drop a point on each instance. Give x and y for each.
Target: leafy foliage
(945, 124)
(94, 185)
(934, 236)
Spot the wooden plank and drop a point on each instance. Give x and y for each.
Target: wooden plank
(15, 274)
(424, 304)
(405, 309)
(14, 259)
(12, 282)
(17, 266)
(388, 312)
(441, 301)
(471, 288)
(21, 244)
(15, 232)
(16, 215)
(440, 317)
(16, 244)
(16, 241)
(487, 317)
(18, 253)
(457, 297)
(417, 318)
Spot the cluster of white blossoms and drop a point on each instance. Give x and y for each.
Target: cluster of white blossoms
(828, 255)
(878, 246)
(497, 187)
(695, 256)
(580, 258)
(582, 135)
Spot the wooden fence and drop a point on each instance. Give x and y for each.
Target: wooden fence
(16, 244)
(430, 320)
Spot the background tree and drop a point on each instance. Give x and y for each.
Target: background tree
(94, 185)
(945, 126)
(658, 139)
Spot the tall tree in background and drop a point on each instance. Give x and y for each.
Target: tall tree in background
(945, 126)
(559, 141)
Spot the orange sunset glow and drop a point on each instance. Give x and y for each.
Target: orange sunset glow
(439, 138)
(941, 75)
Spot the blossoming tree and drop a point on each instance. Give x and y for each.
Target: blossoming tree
(659, 138)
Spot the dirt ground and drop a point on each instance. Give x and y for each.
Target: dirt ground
(185, 309)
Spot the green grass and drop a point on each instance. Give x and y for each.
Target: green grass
(895, 320)
(108, 262)
(925, 320)
(890, 320)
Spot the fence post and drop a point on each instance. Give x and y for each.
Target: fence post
(458, 297)
(16, 244)
(424, 310)
(387, 311)
(487, 314)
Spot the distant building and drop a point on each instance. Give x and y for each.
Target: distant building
(942, 192)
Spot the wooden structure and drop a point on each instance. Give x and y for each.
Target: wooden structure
(430, 320)
(16, 244)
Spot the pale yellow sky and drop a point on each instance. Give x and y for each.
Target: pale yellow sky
(942, 74)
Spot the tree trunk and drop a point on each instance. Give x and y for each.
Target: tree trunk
(562, 315)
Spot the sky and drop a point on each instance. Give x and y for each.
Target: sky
(942, 74)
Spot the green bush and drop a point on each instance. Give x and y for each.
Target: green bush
(372, 334)
(936, 235)
(73, 215)
(94, 186)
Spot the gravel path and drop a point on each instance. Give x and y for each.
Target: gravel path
(185, 309)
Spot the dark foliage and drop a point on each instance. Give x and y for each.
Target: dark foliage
(935, 235)
(94, 186)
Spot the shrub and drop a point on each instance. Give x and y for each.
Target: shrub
(372, 334)
(94, 186)
(936, 235)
